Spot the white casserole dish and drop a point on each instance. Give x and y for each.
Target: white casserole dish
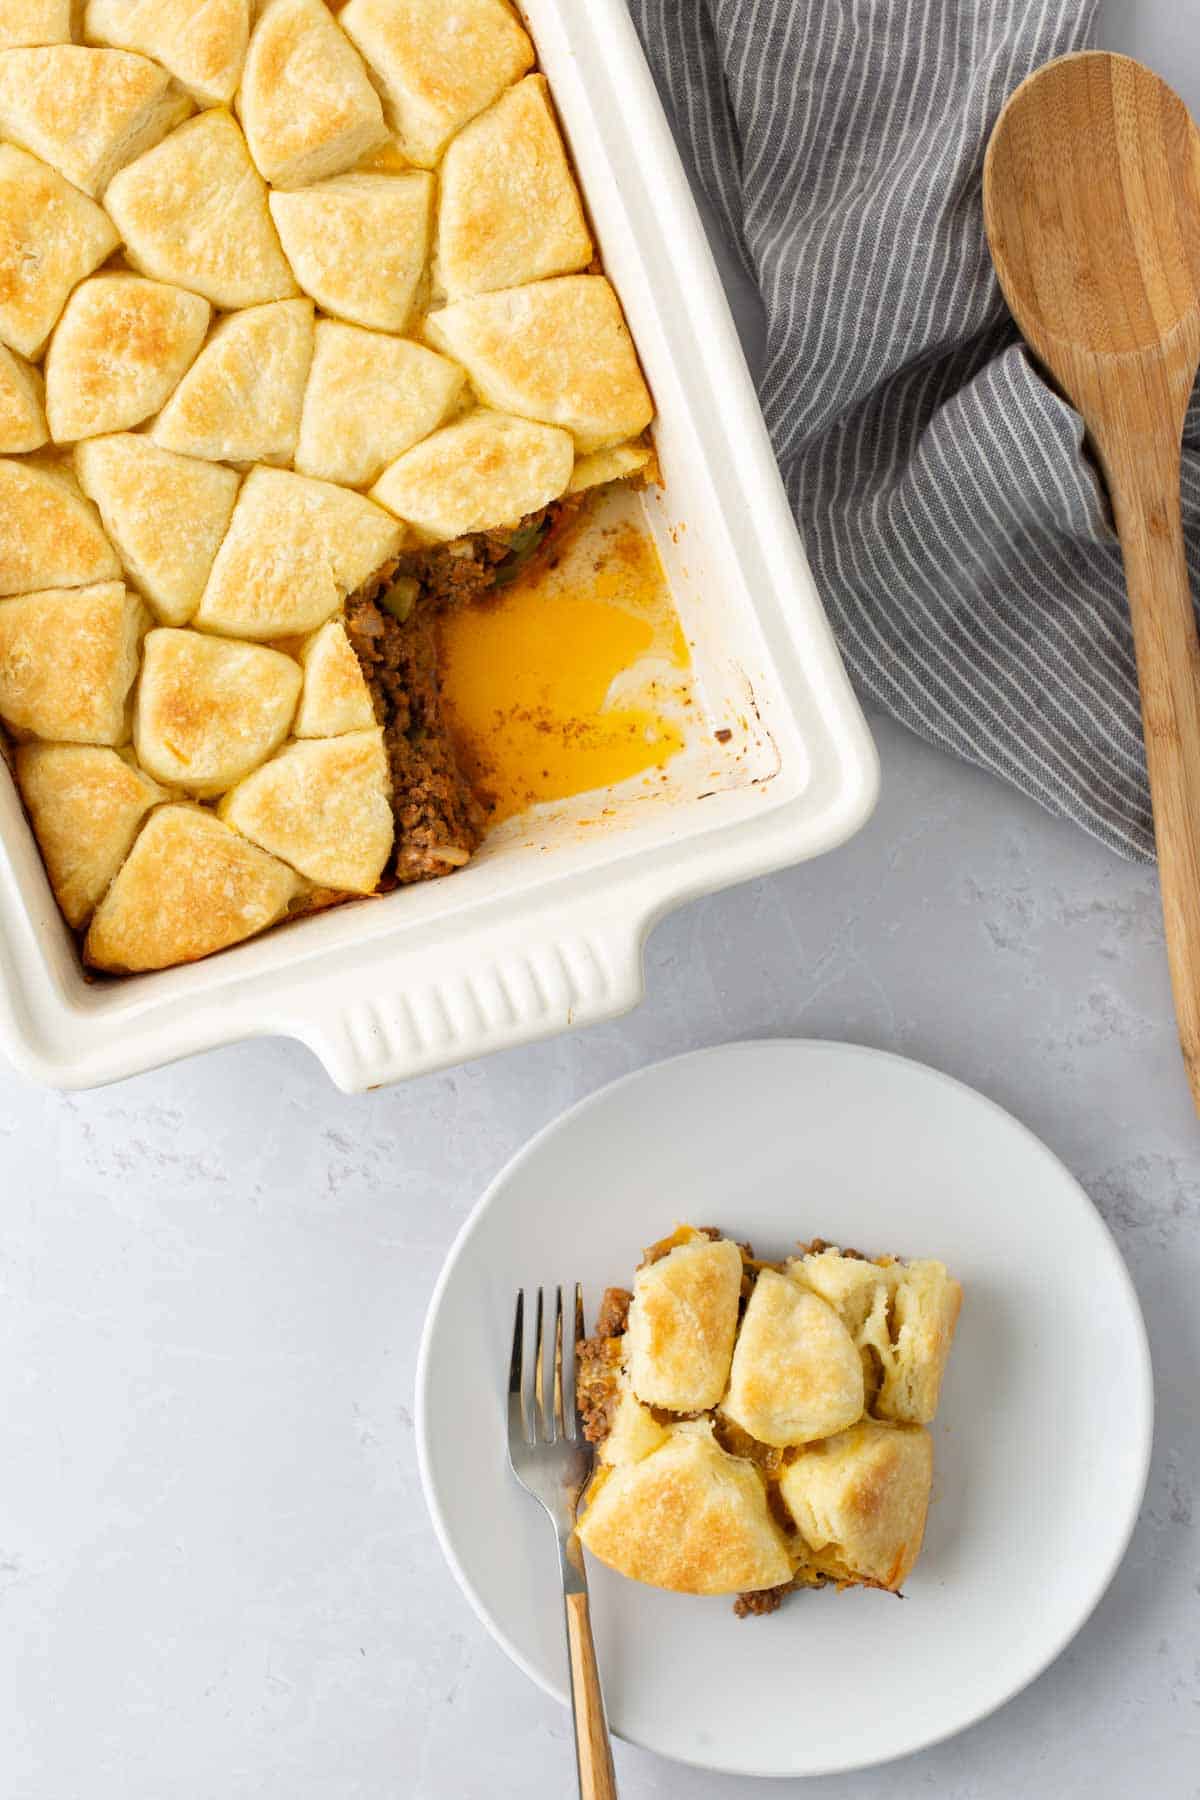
(546, 926)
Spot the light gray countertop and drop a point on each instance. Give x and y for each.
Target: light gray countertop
(217, 1577)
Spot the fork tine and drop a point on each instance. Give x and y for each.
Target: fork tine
(517, 1425)
(541, 1434)
(560, 1426)
(577, 1337)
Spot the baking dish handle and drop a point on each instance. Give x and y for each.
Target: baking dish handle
(447, 1003)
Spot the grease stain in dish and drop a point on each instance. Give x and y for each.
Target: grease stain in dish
(572, 678)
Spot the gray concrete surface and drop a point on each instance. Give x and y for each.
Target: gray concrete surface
(217, 1578)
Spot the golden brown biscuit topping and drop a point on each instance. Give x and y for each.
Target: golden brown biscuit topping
(248, 439)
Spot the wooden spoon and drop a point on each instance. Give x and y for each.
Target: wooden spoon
(1091, 198)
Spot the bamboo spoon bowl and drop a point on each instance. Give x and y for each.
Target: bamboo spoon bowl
(1091, 202)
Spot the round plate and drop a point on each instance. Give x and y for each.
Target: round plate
(1042, 1442)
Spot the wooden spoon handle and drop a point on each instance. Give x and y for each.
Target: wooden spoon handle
(1150, 522)
(597, 1779)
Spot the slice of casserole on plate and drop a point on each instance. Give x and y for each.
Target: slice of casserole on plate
(762, 1427)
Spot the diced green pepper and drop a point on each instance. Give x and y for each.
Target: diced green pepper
(401, 597)
(521, 547)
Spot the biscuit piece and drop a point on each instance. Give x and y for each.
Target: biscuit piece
(68, 657)
(336, 698)
(509, 210)
(859, 1501)
(307, 106)
(603, 466)
(483, 472)
(437, 63)
(210, 709)
(86, 112)
(358, 244)
(796, 1374)
(194, 210)
(119, 349)
(22, 405)
(679, 1340)
(50, 536)
(86, 805)
(900, 1315)
(324, 806)
(241, 399)
(558, 351)
(633, 1433)
(202, 42)
(369, 398)
(189, 886)
(166, 514)
(51, 236)
(295, 548)
(687, 1517)
(35, 22)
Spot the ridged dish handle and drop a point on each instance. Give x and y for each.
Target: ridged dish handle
(431, 1007)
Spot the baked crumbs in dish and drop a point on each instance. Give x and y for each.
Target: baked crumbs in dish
(304, 346)
(762, 1427)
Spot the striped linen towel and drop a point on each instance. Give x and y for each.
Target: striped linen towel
(958, 533)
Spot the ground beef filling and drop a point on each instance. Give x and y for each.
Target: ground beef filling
(440, 819)
(471, 568)
(598, 1362)
(759, 1602)
(613, 1316)
(434, 807)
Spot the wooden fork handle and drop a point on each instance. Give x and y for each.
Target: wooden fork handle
(597, 1780)
(1146, 505)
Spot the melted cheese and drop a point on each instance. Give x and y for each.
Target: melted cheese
(529, 676)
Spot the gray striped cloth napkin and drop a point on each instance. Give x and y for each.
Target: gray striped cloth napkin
(959, 535)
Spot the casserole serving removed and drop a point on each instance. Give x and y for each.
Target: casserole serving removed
(543, 926)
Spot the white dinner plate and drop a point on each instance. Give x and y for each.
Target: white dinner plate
(1042, 1442)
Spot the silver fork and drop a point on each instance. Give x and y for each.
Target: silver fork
(552, 1459)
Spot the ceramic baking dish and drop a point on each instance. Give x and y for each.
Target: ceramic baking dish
(545, 928)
